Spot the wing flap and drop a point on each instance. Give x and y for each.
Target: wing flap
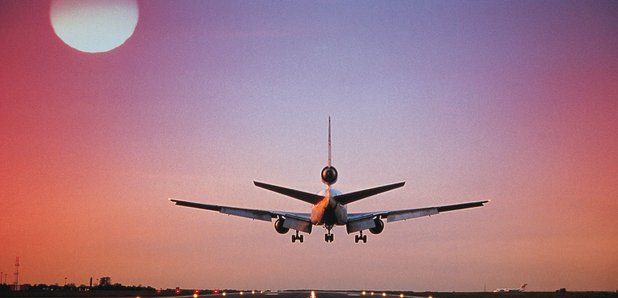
(461, 206)
(248, 213)
(360, 224)
(409, 214)
(397, 215)
(299, 224)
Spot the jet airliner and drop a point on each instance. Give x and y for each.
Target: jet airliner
(511, 290)
(329, 208)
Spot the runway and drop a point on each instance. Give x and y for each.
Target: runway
(391, 294)
(308, 294)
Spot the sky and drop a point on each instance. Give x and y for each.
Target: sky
(510, 101)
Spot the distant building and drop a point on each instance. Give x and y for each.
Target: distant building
(17, 288)
(105, 281)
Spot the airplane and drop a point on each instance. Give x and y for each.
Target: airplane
(511, 290)
(329, 208)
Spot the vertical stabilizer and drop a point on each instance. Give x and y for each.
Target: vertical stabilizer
(329, 173)
(330, 156)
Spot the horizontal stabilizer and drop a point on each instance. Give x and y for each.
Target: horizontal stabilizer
(361, 194)
(297, 194)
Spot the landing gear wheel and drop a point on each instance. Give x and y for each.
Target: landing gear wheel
(360, 237)
(300, 238)
(329, 237)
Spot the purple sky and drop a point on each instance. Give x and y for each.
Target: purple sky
(510, 101)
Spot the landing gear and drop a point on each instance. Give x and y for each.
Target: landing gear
(297, 237)
(360, 237)
(329, 237)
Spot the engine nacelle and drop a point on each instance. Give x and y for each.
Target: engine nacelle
(329, 175)
(378, 228)
(279, 226)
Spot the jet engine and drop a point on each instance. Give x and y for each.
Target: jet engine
(279, 226)
(329, 175)
(378, 228)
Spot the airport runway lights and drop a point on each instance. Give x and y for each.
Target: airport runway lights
(363, 293)
(312, 294)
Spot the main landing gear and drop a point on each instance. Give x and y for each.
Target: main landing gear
(297, 237)
(329, 237)
(360, 237)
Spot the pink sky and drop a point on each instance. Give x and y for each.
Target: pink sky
(513, 102)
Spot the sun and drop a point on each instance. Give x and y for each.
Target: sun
(94, 26)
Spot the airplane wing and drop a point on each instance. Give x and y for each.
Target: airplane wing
(363, 221)
(295, 221)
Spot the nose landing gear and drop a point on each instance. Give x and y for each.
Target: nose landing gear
(329, 237)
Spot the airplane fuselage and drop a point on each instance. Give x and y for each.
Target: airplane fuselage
(328, 211)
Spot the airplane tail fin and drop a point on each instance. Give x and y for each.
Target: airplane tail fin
(523, 286)
(330, 156)
(329, 173)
